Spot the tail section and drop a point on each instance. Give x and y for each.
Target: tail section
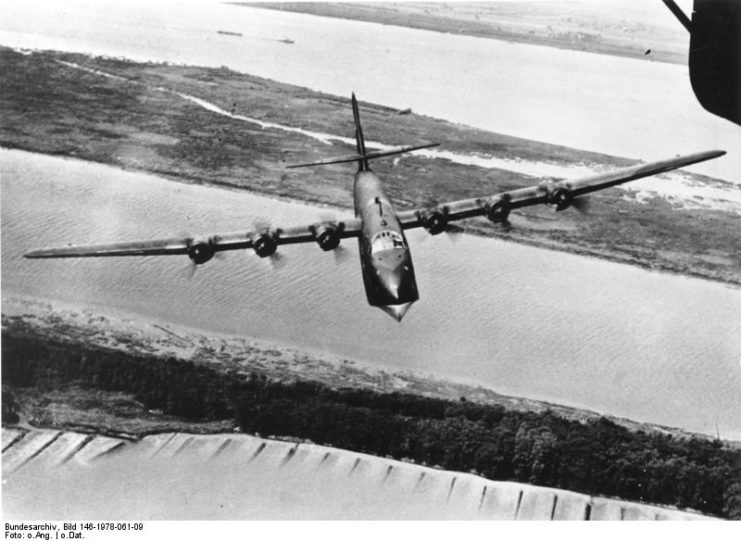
(363, 156)
(359, 139)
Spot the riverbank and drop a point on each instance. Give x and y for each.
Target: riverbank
(579, 26)
(90, 373)
(115, 414)
(216, 126)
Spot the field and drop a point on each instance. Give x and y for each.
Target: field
(241, 477)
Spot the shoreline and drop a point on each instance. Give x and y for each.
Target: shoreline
(65, 388)
(139, 117)
(574, 31)
(117, 330)
(477, 227)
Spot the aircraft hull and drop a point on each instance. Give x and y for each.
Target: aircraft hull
(385, 259)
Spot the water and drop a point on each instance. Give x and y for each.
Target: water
(619, 106)
(523, 321)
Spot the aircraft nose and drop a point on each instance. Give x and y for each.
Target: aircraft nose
(391, 282)
(396, 311)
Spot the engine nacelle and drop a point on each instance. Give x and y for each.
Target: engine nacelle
(265, 245)
(327, 236)
(561, 197)
(498, 211)
(434, 221)
(201, 251)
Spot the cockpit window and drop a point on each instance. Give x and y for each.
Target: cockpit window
(387, 240)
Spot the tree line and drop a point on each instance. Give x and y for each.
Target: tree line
(594, 457)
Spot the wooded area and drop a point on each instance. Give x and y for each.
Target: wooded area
(596, 457)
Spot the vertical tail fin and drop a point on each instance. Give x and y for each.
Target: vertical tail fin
(359, 140)
(363, 156)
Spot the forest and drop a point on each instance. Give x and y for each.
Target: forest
(595, 457)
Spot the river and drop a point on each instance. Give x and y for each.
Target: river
(522, 321)
(618, 106)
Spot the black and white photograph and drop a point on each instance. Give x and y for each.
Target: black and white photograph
(368, 261)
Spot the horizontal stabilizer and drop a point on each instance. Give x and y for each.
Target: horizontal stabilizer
(367, 156)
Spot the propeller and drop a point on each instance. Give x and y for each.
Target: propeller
(454, 232)
(200, 250)
(435, 222)
(451, 230)
(582, 204)
(261, 223)
(341, 254)
(277, 260)
(190, 271)
(506, 225)
(193, 264)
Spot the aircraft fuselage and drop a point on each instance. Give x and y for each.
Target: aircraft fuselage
(385, 260)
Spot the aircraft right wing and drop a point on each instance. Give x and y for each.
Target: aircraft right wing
(559, 194)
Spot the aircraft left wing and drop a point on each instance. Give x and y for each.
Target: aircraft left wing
(263, 240)
(559, 194)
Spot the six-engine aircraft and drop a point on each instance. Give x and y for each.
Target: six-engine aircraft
(385, 259)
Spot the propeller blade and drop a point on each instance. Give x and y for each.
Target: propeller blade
(454, 232)
(327, 216)
(261, 223)
(278, 260)
(581, 204)
(341, 254)
(190, 270)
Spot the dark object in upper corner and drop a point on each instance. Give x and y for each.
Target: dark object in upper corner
(715, 55)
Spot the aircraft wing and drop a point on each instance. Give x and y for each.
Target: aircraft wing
(263, 240)
(328, 233)
(559, 194)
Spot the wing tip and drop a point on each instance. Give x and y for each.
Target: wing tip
(45, 254)
(691, 159)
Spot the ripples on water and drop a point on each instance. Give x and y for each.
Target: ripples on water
(523, 321)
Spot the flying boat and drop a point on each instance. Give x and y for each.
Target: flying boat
(385, 257)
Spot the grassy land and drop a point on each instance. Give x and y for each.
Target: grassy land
(79, 385)
(580, 26)
(139, 121)
(119, 414)
(72, 407)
